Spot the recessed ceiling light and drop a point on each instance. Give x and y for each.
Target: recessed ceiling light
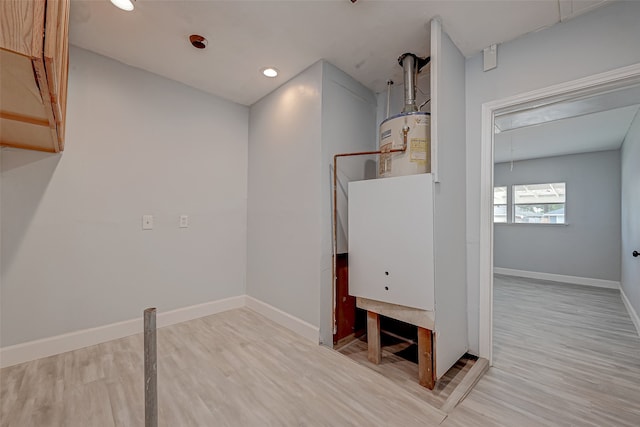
(123, 4)
(269, 72)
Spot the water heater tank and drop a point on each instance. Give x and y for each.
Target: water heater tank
(417, 157)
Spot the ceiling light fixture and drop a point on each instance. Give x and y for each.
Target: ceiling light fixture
(270, 72)
(123, 4)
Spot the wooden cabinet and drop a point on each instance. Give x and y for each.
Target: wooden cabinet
(34, 63)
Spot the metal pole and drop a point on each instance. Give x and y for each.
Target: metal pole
(389, 83)
(150, 369)
(410, 70)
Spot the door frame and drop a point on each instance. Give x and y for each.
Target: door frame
(610, 80)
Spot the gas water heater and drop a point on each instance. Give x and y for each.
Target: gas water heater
(410, 129)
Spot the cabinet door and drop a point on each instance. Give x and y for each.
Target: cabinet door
(391, 240)
(56, 59)
(21, 26)
(33, 73)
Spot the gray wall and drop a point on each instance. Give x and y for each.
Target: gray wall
(74, 253)
(630, 159)
(294, 133)
(589, 246)
(598, 41)
(284, 210)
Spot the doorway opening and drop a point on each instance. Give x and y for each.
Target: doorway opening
(560, 101)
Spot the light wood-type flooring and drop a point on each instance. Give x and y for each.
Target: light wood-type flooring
(402, 368)
(564, 355)
(231, 369)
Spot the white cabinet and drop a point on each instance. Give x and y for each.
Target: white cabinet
(413, 227)
(391, 240)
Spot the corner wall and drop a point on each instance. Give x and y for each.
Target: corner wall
(599, 41)
(284, 210)
(294, 133)
(348, 125)
(630, 159)
(74, 253)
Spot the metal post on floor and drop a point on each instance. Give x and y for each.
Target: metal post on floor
(150, 369)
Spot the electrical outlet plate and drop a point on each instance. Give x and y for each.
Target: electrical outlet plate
(147, 222)
(184, 221)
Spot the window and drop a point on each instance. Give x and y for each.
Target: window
(500, 204)
(539, 203)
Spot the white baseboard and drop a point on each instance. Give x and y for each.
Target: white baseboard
(299, 326)
(632, 312)
(45, 347)
(196, 311)
(586, 281)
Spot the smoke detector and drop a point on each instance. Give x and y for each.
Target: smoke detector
(198, 41)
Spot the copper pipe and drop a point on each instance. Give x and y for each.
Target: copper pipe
(334, 224)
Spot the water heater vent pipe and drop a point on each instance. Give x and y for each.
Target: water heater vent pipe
(411, 64)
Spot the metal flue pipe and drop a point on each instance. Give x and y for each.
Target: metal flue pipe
(410, 72)
(411, 64)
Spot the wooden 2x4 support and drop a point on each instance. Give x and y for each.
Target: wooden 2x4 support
(374, 346)
(426, 371)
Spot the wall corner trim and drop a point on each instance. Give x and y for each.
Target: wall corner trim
(31, 350)
(632, 312)
(585, 281)
(299, 326)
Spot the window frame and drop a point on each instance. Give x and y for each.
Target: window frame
(505, 204)
(511, 205)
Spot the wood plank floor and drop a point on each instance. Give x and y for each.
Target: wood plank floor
(563, 355)
(404, 370)
(231, 369)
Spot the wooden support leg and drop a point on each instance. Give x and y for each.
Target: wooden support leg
(373, 337)
(426, 374)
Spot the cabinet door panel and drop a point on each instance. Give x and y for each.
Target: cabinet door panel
(391, 240)
(21, 26)
(25, 135)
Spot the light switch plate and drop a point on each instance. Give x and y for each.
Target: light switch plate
(147, 222)
(184, 221)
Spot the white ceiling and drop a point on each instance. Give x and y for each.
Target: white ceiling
(363, 39)
(604, 130)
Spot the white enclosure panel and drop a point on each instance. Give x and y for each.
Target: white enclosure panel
(449, 201)
(391, 240)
